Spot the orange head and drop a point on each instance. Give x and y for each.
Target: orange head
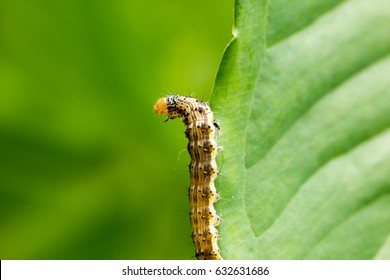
(160, 108)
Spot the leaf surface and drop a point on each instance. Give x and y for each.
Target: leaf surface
(303, 104)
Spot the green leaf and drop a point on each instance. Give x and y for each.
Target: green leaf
(302, 97)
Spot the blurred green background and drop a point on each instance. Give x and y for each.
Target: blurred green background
(87, 171)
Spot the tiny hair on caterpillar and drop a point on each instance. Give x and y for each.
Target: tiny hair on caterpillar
(203, 149)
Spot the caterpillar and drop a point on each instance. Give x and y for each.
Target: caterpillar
(203, 149)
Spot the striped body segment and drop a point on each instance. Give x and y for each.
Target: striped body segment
(203, 149)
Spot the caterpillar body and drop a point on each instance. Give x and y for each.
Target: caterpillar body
(203, 149)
